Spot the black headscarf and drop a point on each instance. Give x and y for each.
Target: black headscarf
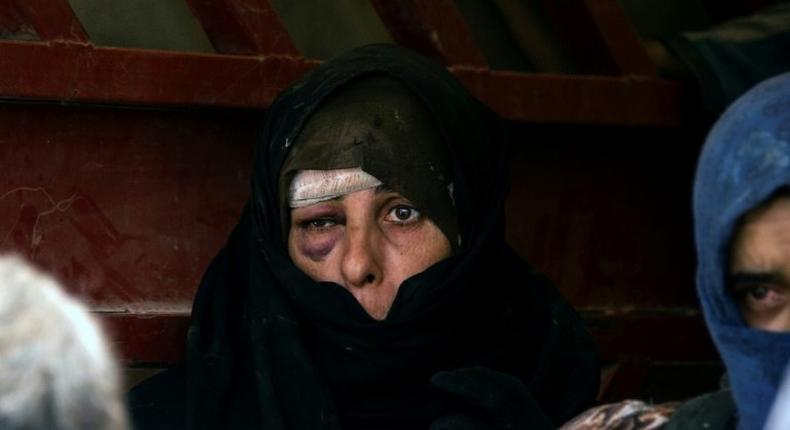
(268, 348)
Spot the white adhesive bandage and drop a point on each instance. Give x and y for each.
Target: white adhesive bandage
(313, 186)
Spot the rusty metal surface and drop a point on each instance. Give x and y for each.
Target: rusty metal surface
(243, 27)
(52, 19)
(434, 28)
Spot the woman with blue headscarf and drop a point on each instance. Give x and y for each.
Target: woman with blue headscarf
(742, 227)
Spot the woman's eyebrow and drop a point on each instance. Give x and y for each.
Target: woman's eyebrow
(746, 277)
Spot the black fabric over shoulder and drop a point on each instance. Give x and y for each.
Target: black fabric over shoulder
(713, 411)
(159, 402)
(269, 348)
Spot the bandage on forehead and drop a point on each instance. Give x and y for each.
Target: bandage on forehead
(314, 186)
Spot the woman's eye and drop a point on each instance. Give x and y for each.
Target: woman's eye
(403, 214)
(318, 224)
(758, 293)
(760, 298)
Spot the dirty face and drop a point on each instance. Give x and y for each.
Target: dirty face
(760, 266)
(368, 242)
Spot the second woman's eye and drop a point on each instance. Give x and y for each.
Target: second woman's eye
(759, 292)
(402, 214)
(761, 298)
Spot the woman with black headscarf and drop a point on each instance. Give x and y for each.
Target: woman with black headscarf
(368, 284)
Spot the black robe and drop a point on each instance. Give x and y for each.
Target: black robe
(479, 337)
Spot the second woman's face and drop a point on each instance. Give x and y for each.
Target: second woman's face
(368, 242)
(760, 266)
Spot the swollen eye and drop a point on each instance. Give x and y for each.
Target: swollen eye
(318, 223)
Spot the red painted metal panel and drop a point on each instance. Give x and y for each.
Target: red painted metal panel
(535, 98)
(657, 337)
(600, 37)
(243, 27)
(606, 214)
(434, 28)
(126, 207)
(82, 73)
(52, 19)
(147, 339)
(620, 39)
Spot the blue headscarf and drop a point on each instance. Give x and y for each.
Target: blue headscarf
(746, 158)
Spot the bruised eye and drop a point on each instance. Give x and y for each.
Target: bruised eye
(402, 214)
(318, 224)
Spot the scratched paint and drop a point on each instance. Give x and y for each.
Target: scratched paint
(127, 207)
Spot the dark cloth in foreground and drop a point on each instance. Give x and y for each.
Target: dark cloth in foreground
(268, 348)
(746, 159)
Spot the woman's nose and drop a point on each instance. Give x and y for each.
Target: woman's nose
(361, 266)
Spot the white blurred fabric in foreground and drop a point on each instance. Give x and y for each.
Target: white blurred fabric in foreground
(56, 370)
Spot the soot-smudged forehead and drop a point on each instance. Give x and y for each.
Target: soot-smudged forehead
(380, 126)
